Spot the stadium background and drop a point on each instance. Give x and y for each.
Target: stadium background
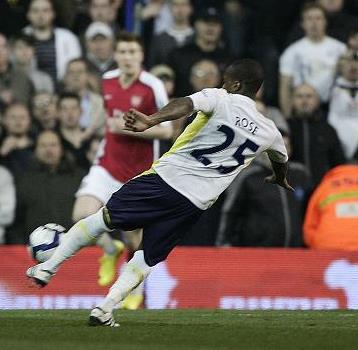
(222, 268)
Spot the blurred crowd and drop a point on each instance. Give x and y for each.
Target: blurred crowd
(54, 53)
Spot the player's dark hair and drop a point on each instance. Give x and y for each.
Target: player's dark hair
(312, 6)
(68, 95)
(129, 37)
(248, 72)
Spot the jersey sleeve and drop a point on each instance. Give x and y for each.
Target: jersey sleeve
(277, 152)
(205, 100)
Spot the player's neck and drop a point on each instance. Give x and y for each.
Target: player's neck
(247, 94)
(43, 34)
(126, 80)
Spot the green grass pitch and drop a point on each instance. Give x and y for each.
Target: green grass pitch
(181, 329)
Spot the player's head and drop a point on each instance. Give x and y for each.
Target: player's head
(129, 53)
(244, 77)
(23, 49)
(181, 10)
(101, 10)
(314, 21)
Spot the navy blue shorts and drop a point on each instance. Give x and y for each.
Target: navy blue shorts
(164, 214)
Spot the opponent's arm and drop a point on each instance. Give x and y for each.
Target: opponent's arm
(178, 108)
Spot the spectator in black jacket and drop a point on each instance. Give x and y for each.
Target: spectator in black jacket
(45, 193)
(17, 145)
(314, 142)
(206, 45)
(255, 214)
(179, 34)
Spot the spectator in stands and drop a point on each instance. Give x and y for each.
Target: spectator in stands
(105, 11)
(331, 220)
(92, 111)
(352, 41)
(92, 151)
(155, 17)
(16, 147)
(7, 201)
(310, 60)
(246, 218)
(314, 142)
(343, 108)
(74, 138)
(24, 60)
(100, 48)
(178, 34)
(45, 193)
(339, 23)
(204, 74)
(54, 47)
(206, 45)
(44, 111)
(239, 26)
(271, 112)
(14, 84)
(167, 76)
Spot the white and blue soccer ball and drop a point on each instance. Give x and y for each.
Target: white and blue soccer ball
(44, 240)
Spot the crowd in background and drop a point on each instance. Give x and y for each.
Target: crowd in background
(52, 119)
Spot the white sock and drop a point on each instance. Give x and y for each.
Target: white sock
(83, 233)
(133, 274)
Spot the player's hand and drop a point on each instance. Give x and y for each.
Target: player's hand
(136, 121)
(283, 183)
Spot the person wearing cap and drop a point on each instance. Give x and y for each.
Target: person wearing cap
(177, 35)
(100, 48)
(207, 44)
(167, 76)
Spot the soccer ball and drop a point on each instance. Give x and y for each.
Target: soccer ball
(44, 240)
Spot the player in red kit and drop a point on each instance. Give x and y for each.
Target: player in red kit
(122, 154)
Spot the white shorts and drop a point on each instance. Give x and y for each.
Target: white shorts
(99, 183)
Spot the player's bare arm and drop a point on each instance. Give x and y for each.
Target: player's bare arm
(279, 175)
(116, 125)
(176, 109)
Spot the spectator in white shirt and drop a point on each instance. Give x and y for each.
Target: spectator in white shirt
(343, 108)
(310, 60)
(54, 47)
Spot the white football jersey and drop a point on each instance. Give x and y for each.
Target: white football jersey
(224, 138)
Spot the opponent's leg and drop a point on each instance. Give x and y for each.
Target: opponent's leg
(81, 234)
(84, 206)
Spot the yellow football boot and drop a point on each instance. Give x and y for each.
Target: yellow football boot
(108, 265)
(132, 302)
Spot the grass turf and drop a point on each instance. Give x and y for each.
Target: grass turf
(181, 329)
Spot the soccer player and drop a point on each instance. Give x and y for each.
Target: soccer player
(123, 154)
(227, 134)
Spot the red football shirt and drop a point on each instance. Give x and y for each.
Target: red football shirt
(124, 156)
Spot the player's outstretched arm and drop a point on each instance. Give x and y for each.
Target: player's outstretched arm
(279, 175)
(175, 109)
